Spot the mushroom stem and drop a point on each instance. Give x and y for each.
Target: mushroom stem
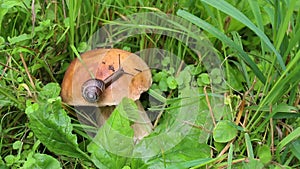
(143, 127)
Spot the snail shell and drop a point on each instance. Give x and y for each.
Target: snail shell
(92, 89)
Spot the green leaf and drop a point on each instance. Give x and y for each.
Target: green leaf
(216, 76)
(184, 77)
(158, 76)
(172, 84)
(264, 154)
(17, 145)
(163, 85)
(189, 152)
(224, 131)
(10, 159)
(51, 124)
(114, 139)
(41, 161)
(19, 38)
(102, 158)
(203, 79)
(253, 163)
(82, 47)
(51, 90)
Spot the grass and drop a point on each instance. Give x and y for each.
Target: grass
(256, 41)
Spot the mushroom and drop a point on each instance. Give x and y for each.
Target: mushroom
(102, 78)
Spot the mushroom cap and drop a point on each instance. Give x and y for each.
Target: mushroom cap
(100, 64)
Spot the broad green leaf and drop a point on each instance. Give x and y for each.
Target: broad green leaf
(41, 161)
(172, 128)
(284, 115)
(114, 139)
(104, 159)
(189, 152)
(51, 124)
(224, 131)
(4, 100)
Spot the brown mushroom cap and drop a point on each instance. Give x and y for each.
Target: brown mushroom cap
(100, 64)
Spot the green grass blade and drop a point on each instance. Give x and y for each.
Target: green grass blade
(235, 13)
(284, 25)
(293, 41)
(230, 156)
(285, 79)
(217, 33)
(257, 13)
(288, 80)
(258, 17)
(288, 139)
(249, 146)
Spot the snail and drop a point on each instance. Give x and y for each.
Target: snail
(92, 89)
